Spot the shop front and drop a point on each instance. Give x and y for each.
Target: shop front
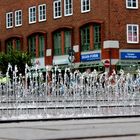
(91, 61)
(129, 61)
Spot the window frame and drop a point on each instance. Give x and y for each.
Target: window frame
(39, 15)
(85, 11)
(18, 20)
(69, 14)
(97, 36)
(32, 46)
(85, 38)
(11, 22)
(137, 27)
(67, 40)
(131, 7)
(41, 46)
(57, 38)
(54, 11)
(31, 22)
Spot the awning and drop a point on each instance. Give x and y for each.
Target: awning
(91, 64)
(128, 62)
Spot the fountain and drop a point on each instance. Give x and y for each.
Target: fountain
(67, 94)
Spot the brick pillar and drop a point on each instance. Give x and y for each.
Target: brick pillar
(91, 37)
(49, 49)
(111, 53)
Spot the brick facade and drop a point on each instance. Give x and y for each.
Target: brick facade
(111, 14)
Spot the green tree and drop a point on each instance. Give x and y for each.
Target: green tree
(15, 57)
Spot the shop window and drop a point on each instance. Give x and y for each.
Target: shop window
(132, 4)
(85, 6)
(68, 7)
(132, 33)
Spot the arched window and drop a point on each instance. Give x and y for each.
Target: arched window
(36, 45)
(85, 38)
(90, 37)
(13, 43)
(62, 41)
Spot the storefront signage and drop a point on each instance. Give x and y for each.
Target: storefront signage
(130, 55)
(90, 57)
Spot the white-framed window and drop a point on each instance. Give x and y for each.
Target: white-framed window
(18, 18)
(32, 14)
(9, 20)
(57, 9)
(132, 33)
(85, 6)
(68, 7)
(42, 12)
(132, 4)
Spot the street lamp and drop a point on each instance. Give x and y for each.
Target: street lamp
(71, 55)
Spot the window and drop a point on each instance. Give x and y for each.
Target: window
(36, 45)
(62, 41)
(32, 46)
(42, 12)
(133, 4)
(57, 9)
(18, 44)
(91, 37)
(85, 6)
(57, 43)
(18, 18)
(13, 43)
(85, 39)
(9, 46)
(9, 20)
(132, 33)
(41, 45)
(97, 37)
(68, 44)
(68, 7)
(32, 14)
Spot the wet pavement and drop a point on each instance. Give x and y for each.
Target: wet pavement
(84, 129)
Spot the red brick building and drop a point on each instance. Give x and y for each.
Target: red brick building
(99, 31)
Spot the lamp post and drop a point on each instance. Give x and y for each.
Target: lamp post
(71, 55)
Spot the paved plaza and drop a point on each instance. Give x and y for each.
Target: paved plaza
(84, 129)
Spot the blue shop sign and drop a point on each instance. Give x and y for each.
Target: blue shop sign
(130, 55)
(90, 57)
